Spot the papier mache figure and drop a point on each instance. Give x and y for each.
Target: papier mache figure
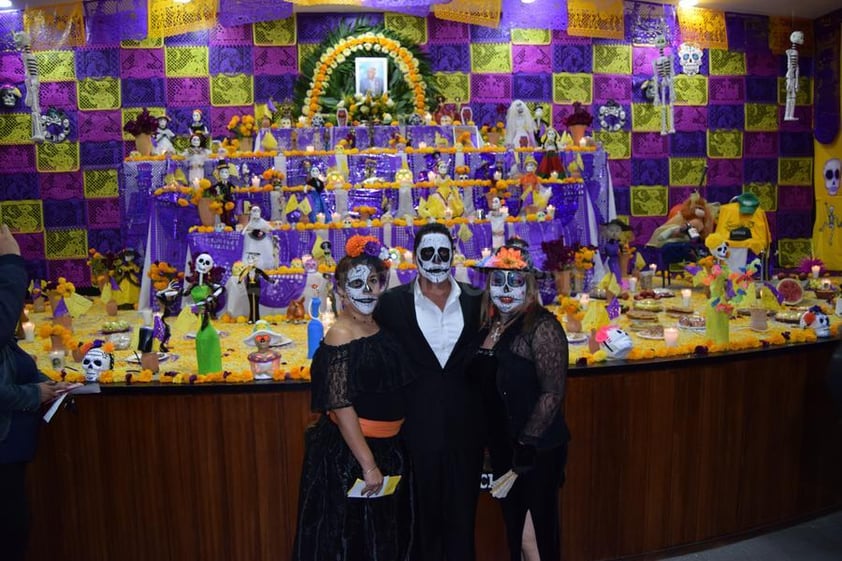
(163, 136)
(445, 198)
(520, 127)
(225, 192)
(792, 75)
(550, 161)
(197, 126)
(258, 240)
(532, 197)
(264, 140)
(23, 43)
(205, 291)
(662, 78)
(96, 361)
(265, 360)
(251, 276)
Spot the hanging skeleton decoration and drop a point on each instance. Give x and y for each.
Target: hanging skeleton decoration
(662, 76)
(690, 58)
(33, 83)
(797, 38)
(830, 223)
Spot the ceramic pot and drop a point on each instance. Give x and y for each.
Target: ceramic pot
(206, 215)
(562, 282)
(143, 143)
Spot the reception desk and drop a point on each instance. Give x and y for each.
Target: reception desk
(665, 454)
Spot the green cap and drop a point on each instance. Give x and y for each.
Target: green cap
(748, 203)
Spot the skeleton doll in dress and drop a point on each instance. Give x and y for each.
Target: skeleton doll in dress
(663, 82)
(23, 43)
(520, 127)
(163, 136)
(258, 239)
(797, 38)
(497, 218)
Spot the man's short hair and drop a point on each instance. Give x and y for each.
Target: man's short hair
(431, 228)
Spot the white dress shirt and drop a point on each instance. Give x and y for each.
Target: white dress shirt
(441, 328)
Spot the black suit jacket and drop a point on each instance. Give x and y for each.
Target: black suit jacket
(442, 403)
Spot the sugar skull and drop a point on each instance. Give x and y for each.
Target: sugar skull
(96, 362)
(415, 120)
(690, 58)
(9, 95)
(831, 176)
(317, 121)
(817, 320)
(614, 341)
(286, 123)
(507, 289)
(433, 257)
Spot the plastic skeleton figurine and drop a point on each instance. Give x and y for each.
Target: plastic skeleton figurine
(662, 79)
(831, 223)
(797, 38)
(33, 83)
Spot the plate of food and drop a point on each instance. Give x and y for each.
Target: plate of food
(789, 316)
(641, 315)
(649, 305)
(118, 326)
(654, 333)
(790, 290)
(692, 323)
(664, 293)
(576, 338)
(677, 311)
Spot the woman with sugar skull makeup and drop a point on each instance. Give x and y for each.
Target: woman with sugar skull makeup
(436, 320)
(23, 389)
(357, 379)
(522, 365)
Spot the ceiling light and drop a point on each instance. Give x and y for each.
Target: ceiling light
(687, 3)
(527, 1)
(5, 4)
(182, 1)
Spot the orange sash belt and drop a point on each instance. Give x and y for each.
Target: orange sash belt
(376, 429)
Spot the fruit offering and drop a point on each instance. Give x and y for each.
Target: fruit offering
(790, 290)
(115, 326)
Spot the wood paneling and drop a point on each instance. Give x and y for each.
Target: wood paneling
(662, 456)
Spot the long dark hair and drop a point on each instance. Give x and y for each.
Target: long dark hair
(345, 264)
(488, 311)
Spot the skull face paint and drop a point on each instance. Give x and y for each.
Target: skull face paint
(363, 286)
(433, 257)
(507, 290)
(96, 362)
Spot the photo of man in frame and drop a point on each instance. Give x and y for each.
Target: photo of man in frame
(371, 76)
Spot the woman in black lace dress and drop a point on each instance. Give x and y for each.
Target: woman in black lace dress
(356, 382)
(522, 363)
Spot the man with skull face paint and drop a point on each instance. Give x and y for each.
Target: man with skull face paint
(436, 320)
(357, 378)
(522, 362)
(23, 389)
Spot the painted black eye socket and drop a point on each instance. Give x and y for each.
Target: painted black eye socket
(444, 254)
(355, 284)
(427, 253)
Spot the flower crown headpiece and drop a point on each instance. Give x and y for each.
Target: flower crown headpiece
(507, 258)
(358, 245)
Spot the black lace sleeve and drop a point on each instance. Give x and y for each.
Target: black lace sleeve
(549, 352)
(330, 386)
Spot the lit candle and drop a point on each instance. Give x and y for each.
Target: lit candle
(311, 148)
(670, 336)
(551, 211)
(653, 268)
(28, 331)
(448, 213)
(479, 214)
(320, 217)
(407, 256)
(422, 145)
(815, 269)
(428, 118)
(196, 183)
(685, 297)
(57, 360)
(825, 286)
(255, 181)
(632, 284)
(584, 300)
(485, 252)
(336, 217)
(583, 142)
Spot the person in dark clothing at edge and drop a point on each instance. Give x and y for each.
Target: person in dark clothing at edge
(436, 319)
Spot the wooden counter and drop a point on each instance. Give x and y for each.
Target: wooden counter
(664, 454)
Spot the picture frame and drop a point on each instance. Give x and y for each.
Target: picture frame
(371, 75)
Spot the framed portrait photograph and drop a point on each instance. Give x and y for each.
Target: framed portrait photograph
(372, 75)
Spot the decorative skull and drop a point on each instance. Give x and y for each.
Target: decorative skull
(831, 176)
(433, 256)
(204, 263)
(415, 120)
(96, 362)
(797, 37)
(614, 341)
(816, 320)
(612, 116)
(286, 123)
(9, 95)
(690, 58)
(318, 120)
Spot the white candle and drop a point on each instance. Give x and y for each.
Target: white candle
(28, 331)
(320, 218)
(422, 145)
(311, 148)
(57, 360)
(583, 142)
(485, 252)
(815, 269)
(336, 217)
(448, 213)
(670, 336)
(685, 297)
(255, 181)
(551, 211)
(428, 118)
(407, 256)
(584, 300)
(653, 268)
(632, 284)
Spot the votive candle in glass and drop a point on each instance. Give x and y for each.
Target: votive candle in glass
(670, 336)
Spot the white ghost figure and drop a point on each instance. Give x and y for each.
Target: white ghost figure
(816, 320)
(832, 169)
(96, 362)
(614, 341)
(690, 58)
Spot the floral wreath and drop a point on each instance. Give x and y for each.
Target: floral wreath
(358, 245)
(612, 116)
(328, 74)
(56, 125)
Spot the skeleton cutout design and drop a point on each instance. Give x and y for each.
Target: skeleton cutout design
(662, 78)
(830, 222)
(433, 257)
(96, 362)
(363, 287)
(507, 289)
(797, 38)
(690, 58)
(832, 170)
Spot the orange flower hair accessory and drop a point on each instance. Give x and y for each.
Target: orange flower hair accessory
(369, 245)
(508, 258)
